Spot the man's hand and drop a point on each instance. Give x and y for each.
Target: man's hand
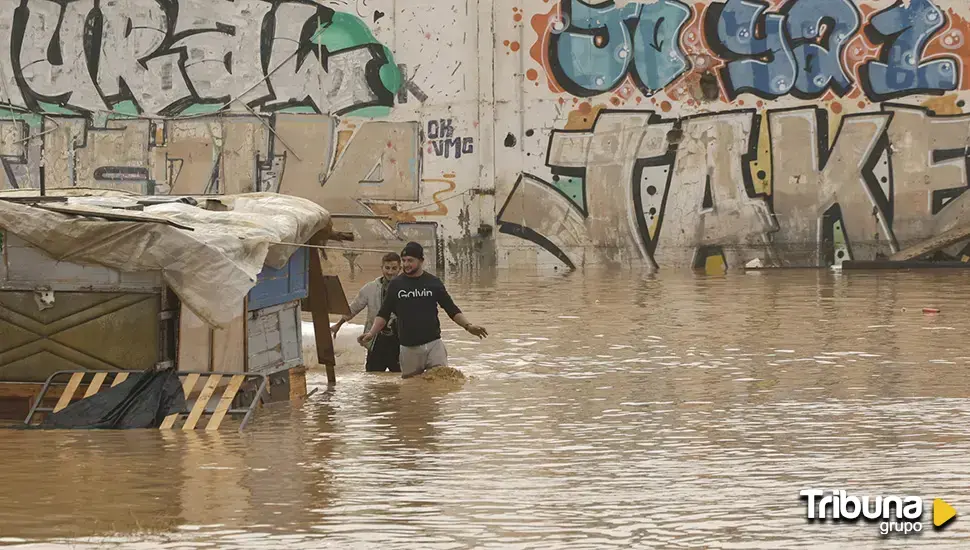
(335, 328)
(477, 331)
(364, 339)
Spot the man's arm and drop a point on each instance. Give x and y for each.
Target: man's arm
(387, 307)
(379, 324)
(358, 305)
(453, 311)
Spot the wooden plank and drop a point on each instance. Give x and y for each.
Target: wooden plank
(26, 390)
(245, 334)
(34, 199)
(95, 384)
(321, 237)
(30, 390)
(201, 402)
(320, 309)
(939, 242)
(223, 407)
(849, 265)
(121, 377)
(359, 217)
(297, 383)
(72, 385)
(336, 297)
(187, 386)
(228, 345)
(194, 347)
(111, 214)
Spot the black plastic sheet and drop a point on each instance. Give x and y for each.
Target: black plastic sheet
(141, 401)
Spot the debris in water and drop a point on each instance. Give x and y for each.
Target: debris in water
(930, 310)
(443, 373)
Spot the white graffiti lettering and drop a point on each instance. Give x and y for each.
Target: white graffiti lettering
(163, 57)
(724, 189)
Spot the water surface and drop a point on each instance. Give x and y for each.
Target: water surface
(605, 411)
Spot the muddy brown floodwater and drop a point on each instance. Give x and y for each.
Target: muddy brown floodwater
(605, 411)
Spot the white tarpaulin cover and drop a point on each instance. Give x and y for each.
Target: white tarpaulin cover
(211, 269)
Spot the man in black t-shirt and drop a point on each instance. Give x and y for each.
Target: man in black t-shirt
(414, 297)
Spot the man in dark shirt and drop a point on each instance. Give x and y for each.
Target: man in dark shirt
(414, 297)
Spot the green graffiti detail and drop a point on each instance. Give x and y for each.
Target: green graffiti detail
(126, 108)
(840, 243)
(54, 109)
(33, 121)
(201, 109)
(348, 31)
(572, 188)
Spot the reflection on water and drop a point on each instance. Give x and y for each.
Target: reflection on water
(605, 411)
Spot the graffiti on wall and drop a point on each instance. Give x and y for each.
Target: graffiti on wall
(442, 141)
(803, 48)
(727, 165)
(167, 57)
(209, 96)
(740, 185)
(298, 154)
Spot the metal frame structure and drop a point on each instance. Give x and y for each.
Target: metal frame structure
(189, 381)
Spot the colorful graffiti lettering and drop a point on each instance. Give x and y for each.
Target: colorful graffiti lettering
(904, 30)
(741, 185)
(804, 45)
(182, 57)
(594, 49)
(805, 48)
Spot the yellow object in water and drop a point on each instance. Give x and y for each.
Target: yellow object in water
(443, 373)
(715, 265)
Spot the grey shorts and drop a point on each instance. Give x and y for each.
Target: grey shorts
(417, 359)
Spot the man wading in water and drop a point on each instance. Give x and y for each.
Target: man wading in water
(414, 297)
(383, 352)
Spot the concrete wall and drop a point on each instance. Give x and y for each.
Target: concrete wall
(677, 134)
(517, 133)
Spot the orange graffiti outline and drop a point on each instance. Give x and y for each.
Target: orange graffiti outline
(539, 51)
(442, 209)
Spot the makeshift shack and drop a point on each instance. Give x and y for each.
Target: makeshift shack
(104, 280)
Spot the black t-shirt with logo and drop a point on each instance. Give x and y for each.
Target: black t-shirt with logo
(415, 301)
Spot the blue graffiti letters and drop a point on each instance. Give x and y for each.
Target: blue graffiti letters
(657, 56)
(592, 46)
(798, 49)
(904, 32)
(592, 49)
(820, 31)
(734, 34)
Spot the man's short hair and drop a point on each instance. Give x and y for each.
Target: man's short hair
(391, 257)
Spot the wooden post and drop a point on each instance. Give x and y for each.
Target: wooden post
(320, 309)
(246, 333)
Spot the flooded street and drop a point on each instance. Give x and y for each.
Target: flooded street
(604, 411)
